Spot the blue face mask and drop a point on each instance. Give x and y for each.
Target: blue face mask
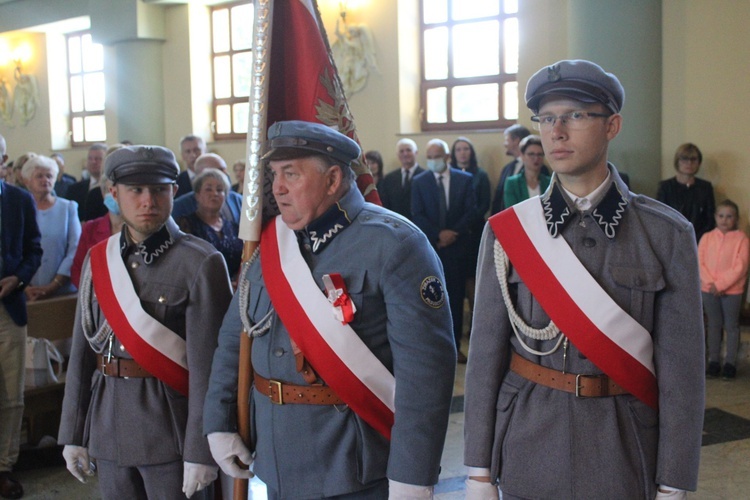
(111, 204)
(437, 165)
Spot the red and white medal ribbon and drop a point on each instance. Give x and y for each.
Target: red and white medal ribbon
(338, 296)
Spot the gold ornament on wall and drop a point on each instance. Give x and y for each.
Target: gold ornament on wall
(354, 53)
(24, 100)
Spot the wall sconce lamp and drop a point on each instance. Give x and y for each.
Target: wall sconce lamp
(24, 100)
(353, 50)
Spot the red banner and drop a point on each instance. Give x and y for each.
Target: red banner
(304, 83)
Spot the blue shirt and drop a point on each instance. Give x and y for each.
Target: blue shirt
(60, 230)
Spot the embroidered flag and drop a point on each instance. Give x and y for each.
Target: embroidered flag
(296, 80)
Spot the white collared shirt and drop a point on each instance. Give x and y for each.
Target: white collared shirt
(411, 174)
(446, 185)
(586, 202)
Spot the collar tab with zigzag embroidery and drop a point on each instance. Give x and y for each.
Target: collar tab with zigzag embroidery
(325, 228)
(607, 213)
(151, 248)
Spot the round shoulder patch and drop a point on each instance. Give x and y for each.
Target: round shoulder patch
(432, 292)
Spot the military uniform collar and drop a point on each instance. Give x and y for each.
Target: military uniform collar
(338, 217)
(152, 247)
(607, 211)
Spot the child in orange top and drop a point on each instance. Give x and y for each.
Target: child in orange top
(723, 256)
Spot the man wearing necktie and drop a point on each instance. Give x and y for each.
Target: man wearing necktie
(443, 203)
(395, 188)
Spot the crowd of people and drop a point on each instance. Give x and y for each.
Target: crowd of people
(603, 366)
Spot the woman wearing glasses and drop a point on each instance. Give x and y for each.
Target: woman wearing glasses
(689, 195)
(530, 181)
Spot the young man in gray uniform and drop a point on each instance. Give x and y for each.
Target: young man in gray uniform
(352, 392)
(585, 374)
(150, 306)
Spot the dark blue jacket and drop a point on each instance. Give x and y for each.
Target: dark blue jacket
(21, 245)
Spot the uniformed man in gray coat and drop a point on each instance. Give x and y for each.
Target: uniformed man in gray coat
(149, 310)
(585, 373)
(352, 392)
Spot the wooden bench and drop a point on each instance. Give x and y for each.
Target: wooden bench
(51, 319)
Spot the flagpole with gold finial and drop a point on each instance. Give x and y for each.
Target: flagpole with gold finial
(251, 219)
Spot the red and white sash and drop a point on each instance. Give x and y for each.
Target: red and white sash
(155, 347)
(333, 349)
(608, 336)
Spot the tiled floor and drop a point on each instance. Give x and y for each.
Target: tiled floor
(724, 470)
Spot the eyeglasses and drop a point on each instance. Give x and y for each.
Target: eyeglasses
(689, 158)
(535, 155)
(573, 120)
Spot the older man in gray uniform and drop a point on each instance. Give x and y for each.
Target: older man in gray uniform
(352, 392)
(150, 306)
(585, 373)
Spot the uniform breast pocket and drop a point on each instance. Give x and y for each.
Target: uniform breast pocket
(526, 306)
(166, 303)
(354, 280)
(260, 302)
(642, 284)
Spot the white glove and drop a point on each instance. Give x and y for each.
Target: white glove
(225, 448)
(78, 462)
(479, 490)
(667, 492)
(197, 476)
(403, 491)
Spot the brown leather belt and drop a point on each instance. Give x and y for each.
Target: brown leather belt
(120, 367)
(281, 393)
(583, 386)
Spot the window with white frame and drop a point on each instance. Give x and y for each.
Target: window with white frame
(232, 58)
(86, 89)
(469, 64)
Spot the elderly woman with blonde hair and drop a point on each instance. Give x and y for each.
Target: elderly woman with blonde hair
(58, 223)
(211, 188)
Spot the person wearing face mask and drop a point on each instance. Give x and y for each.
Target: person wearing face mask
(443, 206)
(96, 230)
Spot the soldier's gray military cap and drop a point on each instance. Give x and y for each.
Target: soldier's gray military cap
(295, 138)
(577, 79)
(141, 165)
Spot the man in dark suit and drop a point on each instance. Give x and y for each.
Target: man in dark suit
(20, 243)
(79, 191)
(443, 203)
(395, 188)
(513, 136)
(191, 147)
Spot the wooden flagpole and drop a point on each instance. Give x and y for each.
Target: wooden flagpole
(252, 200)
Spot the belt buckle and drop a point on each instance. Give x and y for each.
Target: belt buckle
(277, 384)
(579, 386)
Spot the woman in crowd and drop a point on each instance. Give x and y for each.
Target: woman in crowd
(14, 175)
(689, 195)
(375, 162)
(723, 257)
(58, 223)
(97, 230)
(239, 173)
(530, 181)
(464, 156)
(211, 187)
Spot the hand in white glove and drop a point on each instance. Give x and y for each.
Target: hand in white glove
(404, 491)
(479, 490)
(227, 448)
(197, 476)
(668, 493)
(78, 462)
